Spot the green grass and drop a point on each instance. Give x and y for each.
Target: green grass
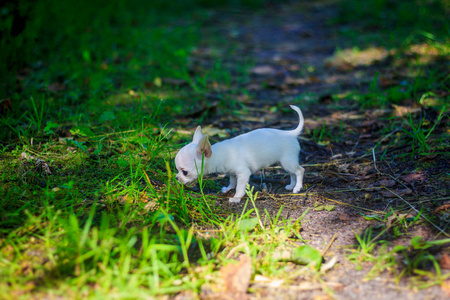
(415, 261)
(89, 207)
(394, 23)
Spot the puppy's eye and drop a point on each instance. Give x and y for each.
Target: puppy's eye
(184, 172)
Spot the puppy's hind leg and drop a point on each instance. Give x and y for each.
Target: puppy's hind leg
(296, 172)
(299, 172)
(231, 186)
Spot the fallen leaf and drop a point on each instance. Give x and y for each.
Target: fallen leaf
(341, 65)
(212, 131)
(396, 217)
(445, 261)
(413, 177)
(443, 207)
(400, 111)
(344, 217)
(390, 220)
(387, 182)
(263, 70)
(237, 276)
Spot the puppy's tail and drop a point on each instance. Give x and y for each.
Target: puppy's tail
(301, 121)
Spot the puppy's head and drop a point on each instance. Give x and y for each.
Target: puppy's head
(189, 159)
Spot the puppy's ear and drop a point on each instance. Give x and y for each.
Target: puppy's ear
(204, 147)
(197, 135)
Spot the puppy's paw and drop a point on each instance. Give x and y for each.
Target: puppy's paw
(297, 189)
(289, 187)
(235, 200)
(225, 190)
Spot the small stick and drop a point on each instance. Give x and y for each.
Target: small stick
(329, 244)
(307, 191)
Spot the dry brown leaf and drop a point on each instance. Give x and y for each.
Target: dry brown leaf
(400, 111)
(387, 182)
(263, 70)
(237, 276)
(445, 261)
(443, 207)
(393, 218)
(344, 217)
(413, 177)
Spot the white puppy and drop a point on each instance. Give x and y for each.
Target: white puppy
(243, 155)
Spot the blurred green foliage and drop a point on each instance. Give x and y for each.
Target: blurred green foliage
(49, 32)
(402, 18)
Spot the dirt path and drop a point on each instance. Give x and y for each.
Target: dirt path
(292, 47)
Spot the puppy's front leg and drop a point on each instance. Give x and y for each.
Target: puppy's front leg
(231, 186)
(242, 180)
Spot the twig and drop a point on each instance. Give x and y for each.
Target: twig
(329, 244)
(307, 191)
(354, 206)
